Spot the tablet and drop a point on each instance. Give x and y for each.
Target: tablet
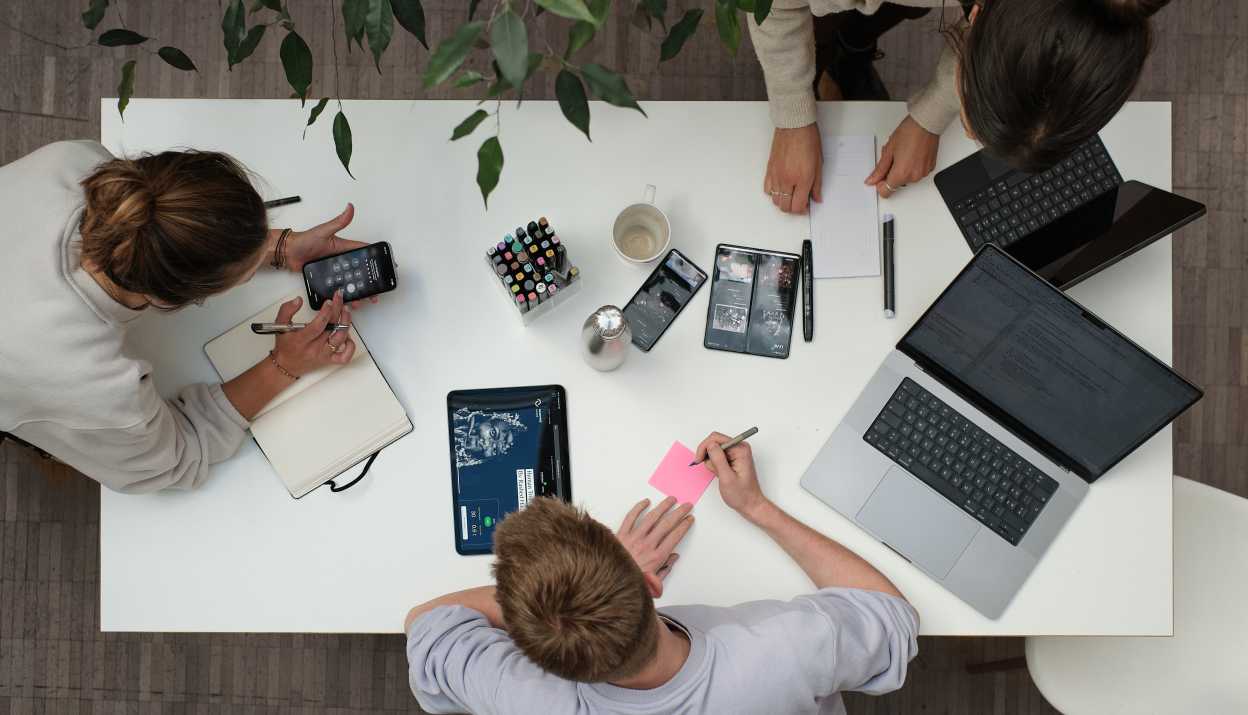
(509, 445)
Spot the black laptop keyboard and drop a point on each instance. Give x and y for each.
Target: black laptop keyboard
(1018, 203)
(960, 461)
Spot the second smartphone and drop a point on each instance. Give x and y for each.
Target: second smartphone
(358, 273)
(660, 299)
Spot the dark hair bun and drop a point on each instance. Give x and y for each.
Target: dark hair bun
(176, 226)
(1130, 12)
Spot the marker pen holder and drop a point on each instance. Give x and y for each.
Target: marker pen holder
(538, 299)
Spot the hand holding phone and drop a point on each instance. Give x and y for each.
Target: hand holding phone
(359, 273)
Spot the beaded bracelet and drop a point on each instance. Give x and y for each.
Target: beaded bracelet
(278, 365)
(279, 250)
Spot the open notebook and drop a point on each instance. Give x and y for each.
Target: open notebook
(305, 447)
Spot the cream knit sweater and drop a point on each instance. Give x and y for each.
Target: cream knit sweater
(785, 44)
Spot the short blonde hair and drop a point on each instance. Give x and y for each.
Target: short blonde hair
(573, 599)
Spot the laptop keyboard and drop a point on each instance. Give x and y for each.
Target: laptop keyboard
(1018, 203)
(959, 460)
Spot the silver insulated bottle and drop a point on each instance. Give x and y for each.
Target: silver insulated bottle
(605, 338)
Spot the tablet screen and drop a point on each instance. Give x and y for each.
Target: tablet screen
(508, 447)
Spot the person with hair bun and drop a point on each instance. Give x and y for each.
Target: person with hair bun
(91, 241)
(1031, 79)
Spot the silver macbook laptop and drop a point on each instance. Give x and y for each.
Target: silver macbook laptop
(973, 443)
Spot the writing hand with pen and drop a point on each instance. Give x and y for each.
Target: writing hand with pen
(318, 343)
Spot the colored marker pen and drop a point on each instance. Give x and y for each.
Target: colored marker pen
(515, 288)
(541, 262)
(500, 269)
(529, 285)
(520, 232)
(508, 280)
(491, 251)
(532, 227)
(551, 290)
(543, 222)
(550, 280)
(522, 303)
(532, 299)
(540, 289)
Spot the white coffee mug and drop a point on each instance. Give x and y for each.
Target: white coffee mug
(642, 232)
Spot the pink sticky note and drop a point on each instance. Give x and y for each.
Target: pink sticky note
(674, 477)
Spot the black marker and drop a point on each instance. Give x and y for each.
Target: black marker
(808, 293)
(532, 227)
(520, 233)
(282, 202)
(890, 280)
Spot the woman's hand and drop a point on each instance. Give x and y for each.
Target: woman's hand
(651, 538)
(319, 241)
(909, 155)
(795, 169)
(305, 350)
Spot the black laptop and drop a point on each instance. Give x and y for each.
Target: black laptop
(1066, 223)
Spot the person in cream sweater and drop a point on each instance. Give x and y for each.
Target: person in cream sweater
(91, 242)
(1032, 80)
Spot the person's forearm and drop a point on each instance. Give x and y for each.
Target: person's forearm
(826, 562)
(252, 390)
(479, 599)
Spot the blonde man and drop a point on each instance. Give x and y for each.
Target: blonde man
(571, 626)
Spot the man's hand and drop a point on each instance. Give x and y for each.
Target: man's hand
(909, 155)
(652, 538)
(795, 169)
(738, 483)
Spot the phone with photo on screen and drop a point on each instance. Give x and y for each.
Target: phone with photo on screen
(660, 299)
(358, 273)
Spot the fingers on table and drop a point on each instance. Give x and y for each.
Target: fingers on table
(666, 568)
(630, 519)
(680, 526)
(651, 518)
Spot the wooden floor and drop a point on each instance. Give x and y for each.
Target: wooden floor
(53, 659)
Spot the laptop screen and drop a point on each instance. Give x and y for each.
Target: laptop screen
(1044, 367)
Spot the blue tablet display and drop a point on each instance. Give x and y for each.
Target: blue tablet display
(508, 446)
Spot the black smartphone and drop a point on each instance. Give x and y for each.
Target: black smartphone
(661, 298)
(358, 273)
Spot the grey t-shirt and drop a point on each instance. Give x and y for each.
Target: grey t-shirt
(758, 657)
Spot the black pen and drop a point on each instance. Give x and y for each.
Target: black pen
(276, 328)
(808, 292)
(890, 279)
(282, 202)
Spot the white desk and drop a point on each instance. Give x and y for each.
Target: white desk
(241, 555)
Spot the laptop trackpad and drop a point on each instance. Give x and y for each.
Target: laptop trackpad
(917, 522)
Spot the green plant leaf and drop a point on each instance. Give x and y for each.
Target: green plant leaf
(599, 9)
(571, 9)
(579, 35)
(472, 7)
(572, 101)
(233, 29)
(681, 32)
(94, 13)
(250, 42)
(274, 5)
(510, 45)
(316, 112)
(125, 89)
(489, 167)
(411, 15)
(342, 141)
(176, 58)
(728, 23)
(379, 26)
(117, 38)
(610, 87)
(468, 125)
(762, 8)
(469, 78)
(745, 5)
(297, 61)
(353, 13)
(657, 9)
(451, 53)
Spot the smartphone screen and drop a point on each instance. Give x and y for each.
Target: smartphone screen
(661, 298)
(358, 273)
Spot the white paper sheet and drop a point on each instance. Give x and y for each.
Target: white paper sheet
(844, 227)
